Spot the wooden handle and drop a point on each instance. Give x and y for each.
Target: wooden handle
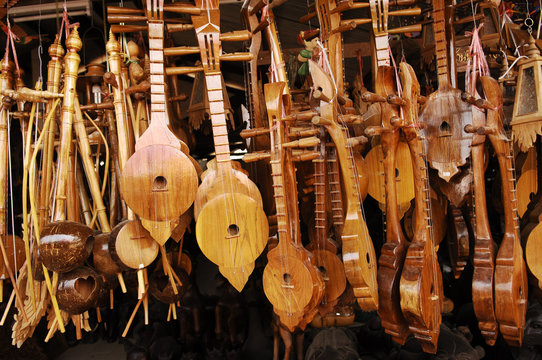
(172, 28)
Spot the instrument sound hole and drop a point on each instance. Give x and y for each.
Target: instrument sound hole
(85, 287)
(368, 258)
(445, 128)
(521, 292)
(159, 183)
(396, 173)
(287, 278)
(233, 230)
(531, 196)
(322, 270)
(432, 289)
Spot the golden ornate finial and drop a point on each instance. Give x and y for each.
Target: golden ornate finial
(56, 50)
(532, 49)
(112, 45)
(74, 43)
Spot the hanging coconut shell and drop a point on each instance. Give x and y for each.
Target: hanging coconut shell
(78, 290)
(65, 245)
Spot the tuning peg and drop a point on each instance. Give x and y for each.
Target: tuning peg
(372, 97)
(180, 97)
(349, 5)
(249, 133)
(350, 118)
(480, 130)
(300, 116)
(396, 100)
(305, 142)
(142, 87)
(422, 99)
(104, 105)
(406, 29)
(110, 79)
(123, 10)
(297, 133)
(172, 28)
(237, 35)
(414, 11)
(256, 156)
(183, 70)
(305, 18)
(262, 25)
(480, 103)
(119, 29)
(345, 25)
(319, 95)
(468, 98)
(298, 155)
(356, 22)
(181, 50)
(237, 56)
(373, 130)
(121, 18)
(309, 35)
(356, 141)
(398, 122)
(318, 120)
(183, 8)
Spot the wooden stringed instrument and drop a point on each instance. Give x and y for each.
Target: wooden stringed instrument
(511, 288)
(444, 114)
(291, 283)
(322, 247)
(394, 250)
(358, 252)
(158, 172)
(485, 248)
(231, 228)
(421, 280)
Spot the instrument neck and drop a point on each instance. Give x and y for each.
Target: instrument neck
(157, 76)
(439, 34)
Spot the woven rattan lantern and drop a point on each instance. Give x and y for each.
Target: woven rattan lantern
(527, 117)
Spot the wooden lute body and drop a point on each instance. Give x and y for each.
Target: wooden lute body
(421, 280)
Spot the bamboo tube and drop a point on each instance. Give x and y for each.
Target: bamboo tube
(54, 70)
(90, 172)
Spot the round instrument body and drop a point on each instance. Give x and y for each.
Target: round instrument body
(533, 252)
(103, 262)
(332, 270)
(78, 290)
(159, 182)
(14, 246)
(212, 186)
(238, 236)
(65, 245)
(287, 282)
(112, 243)
(404, 176)
(161, 289)
(134, 245)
